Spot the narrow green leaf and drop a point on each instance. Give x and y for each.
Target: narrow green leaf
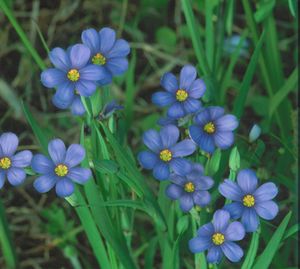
(106, 166)
(213, 163)
(252, 250)
(265, 259)
(264, 10)
(234, 159)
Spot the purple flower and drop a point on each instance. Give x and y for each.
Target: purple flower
(182, 98)
(249, 202)
(217, 237)
(12, 165)
(72, 76)
(190, 189)
(61, 170)
(212, 128)
(107, 51)
(166, 153)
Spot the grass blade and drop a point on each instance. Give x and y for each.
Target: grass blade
(251, 254)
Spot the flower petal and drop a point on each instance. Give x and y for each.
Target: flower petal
(232, 251)
(197, 89)
(152, 140)
(107, 39)
(161, 171)
(147, 159)
(174, 191)
(215, 112)
(79, 175)
(203, 183)
(52, 77)
(176, 111)
(199, 244)
(64, 187)
(91, 39)
(45, 183)
(181, 166)
(201, 198)
(250, 220)
(169, 82)
(235, 231)
(162, 99)
(120, 49)
(231, 190)
(186, 202)
(64, 95)
(187, 76)
(206, 230)
(191, 105)
(183, 148)
(247, 180)
(221, 220)
(169, 135)
(16, 176)
(2, 178)
(9, 143)
(177, 179)
(79, 56)
(117, 66)
(235, 209)
(202, 117)
(60, 59)
(57, 150)
(42, 164)
(224, 139)
(86, 88)
(265, 192)
(226, 123)
(267, 210)
(214, 254)
(204, 141)
(22, 159)
(74, 155)
(77, 107)
(93, 72)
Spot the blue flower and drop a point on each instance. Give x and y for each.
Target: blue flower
(109, 109)
(12, 165)
(183, 97)
(249, 202)
(107, 51)
(72, 76)
(61, 170)
(212, 128)
(190, 189)
(217, 237)
(166, 153)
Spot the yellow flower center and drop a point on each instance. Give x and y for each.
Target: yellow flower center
(209, 128)
(5, 163)
(189, 187)
(165, 155)
(73, 75)
(181, 95)
(61, 170)
(248, 200)
(99, 59)
(218, 239)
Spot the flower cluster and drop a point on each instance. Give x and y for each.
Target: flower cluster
(80, 69)
(211, 128)
(60, 171)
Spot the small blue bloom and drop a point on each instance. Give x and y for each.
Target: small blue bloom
(254, 133)
(190, 189)
(231, 43)
(249, 202)
(217, 237)
(107, 51)
(12, 165)
(72, 76)
(212, 128)
(109, 109)
(61, 170)
(167, 121)
(182, 98)
(166, 153)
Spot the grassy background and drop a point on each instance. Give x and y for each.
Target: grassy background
(259, 86)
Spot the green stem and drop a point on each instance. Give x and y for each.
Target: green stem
(6, 242)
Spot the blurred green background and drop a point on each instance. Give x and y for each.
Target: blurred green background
(46, 231)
